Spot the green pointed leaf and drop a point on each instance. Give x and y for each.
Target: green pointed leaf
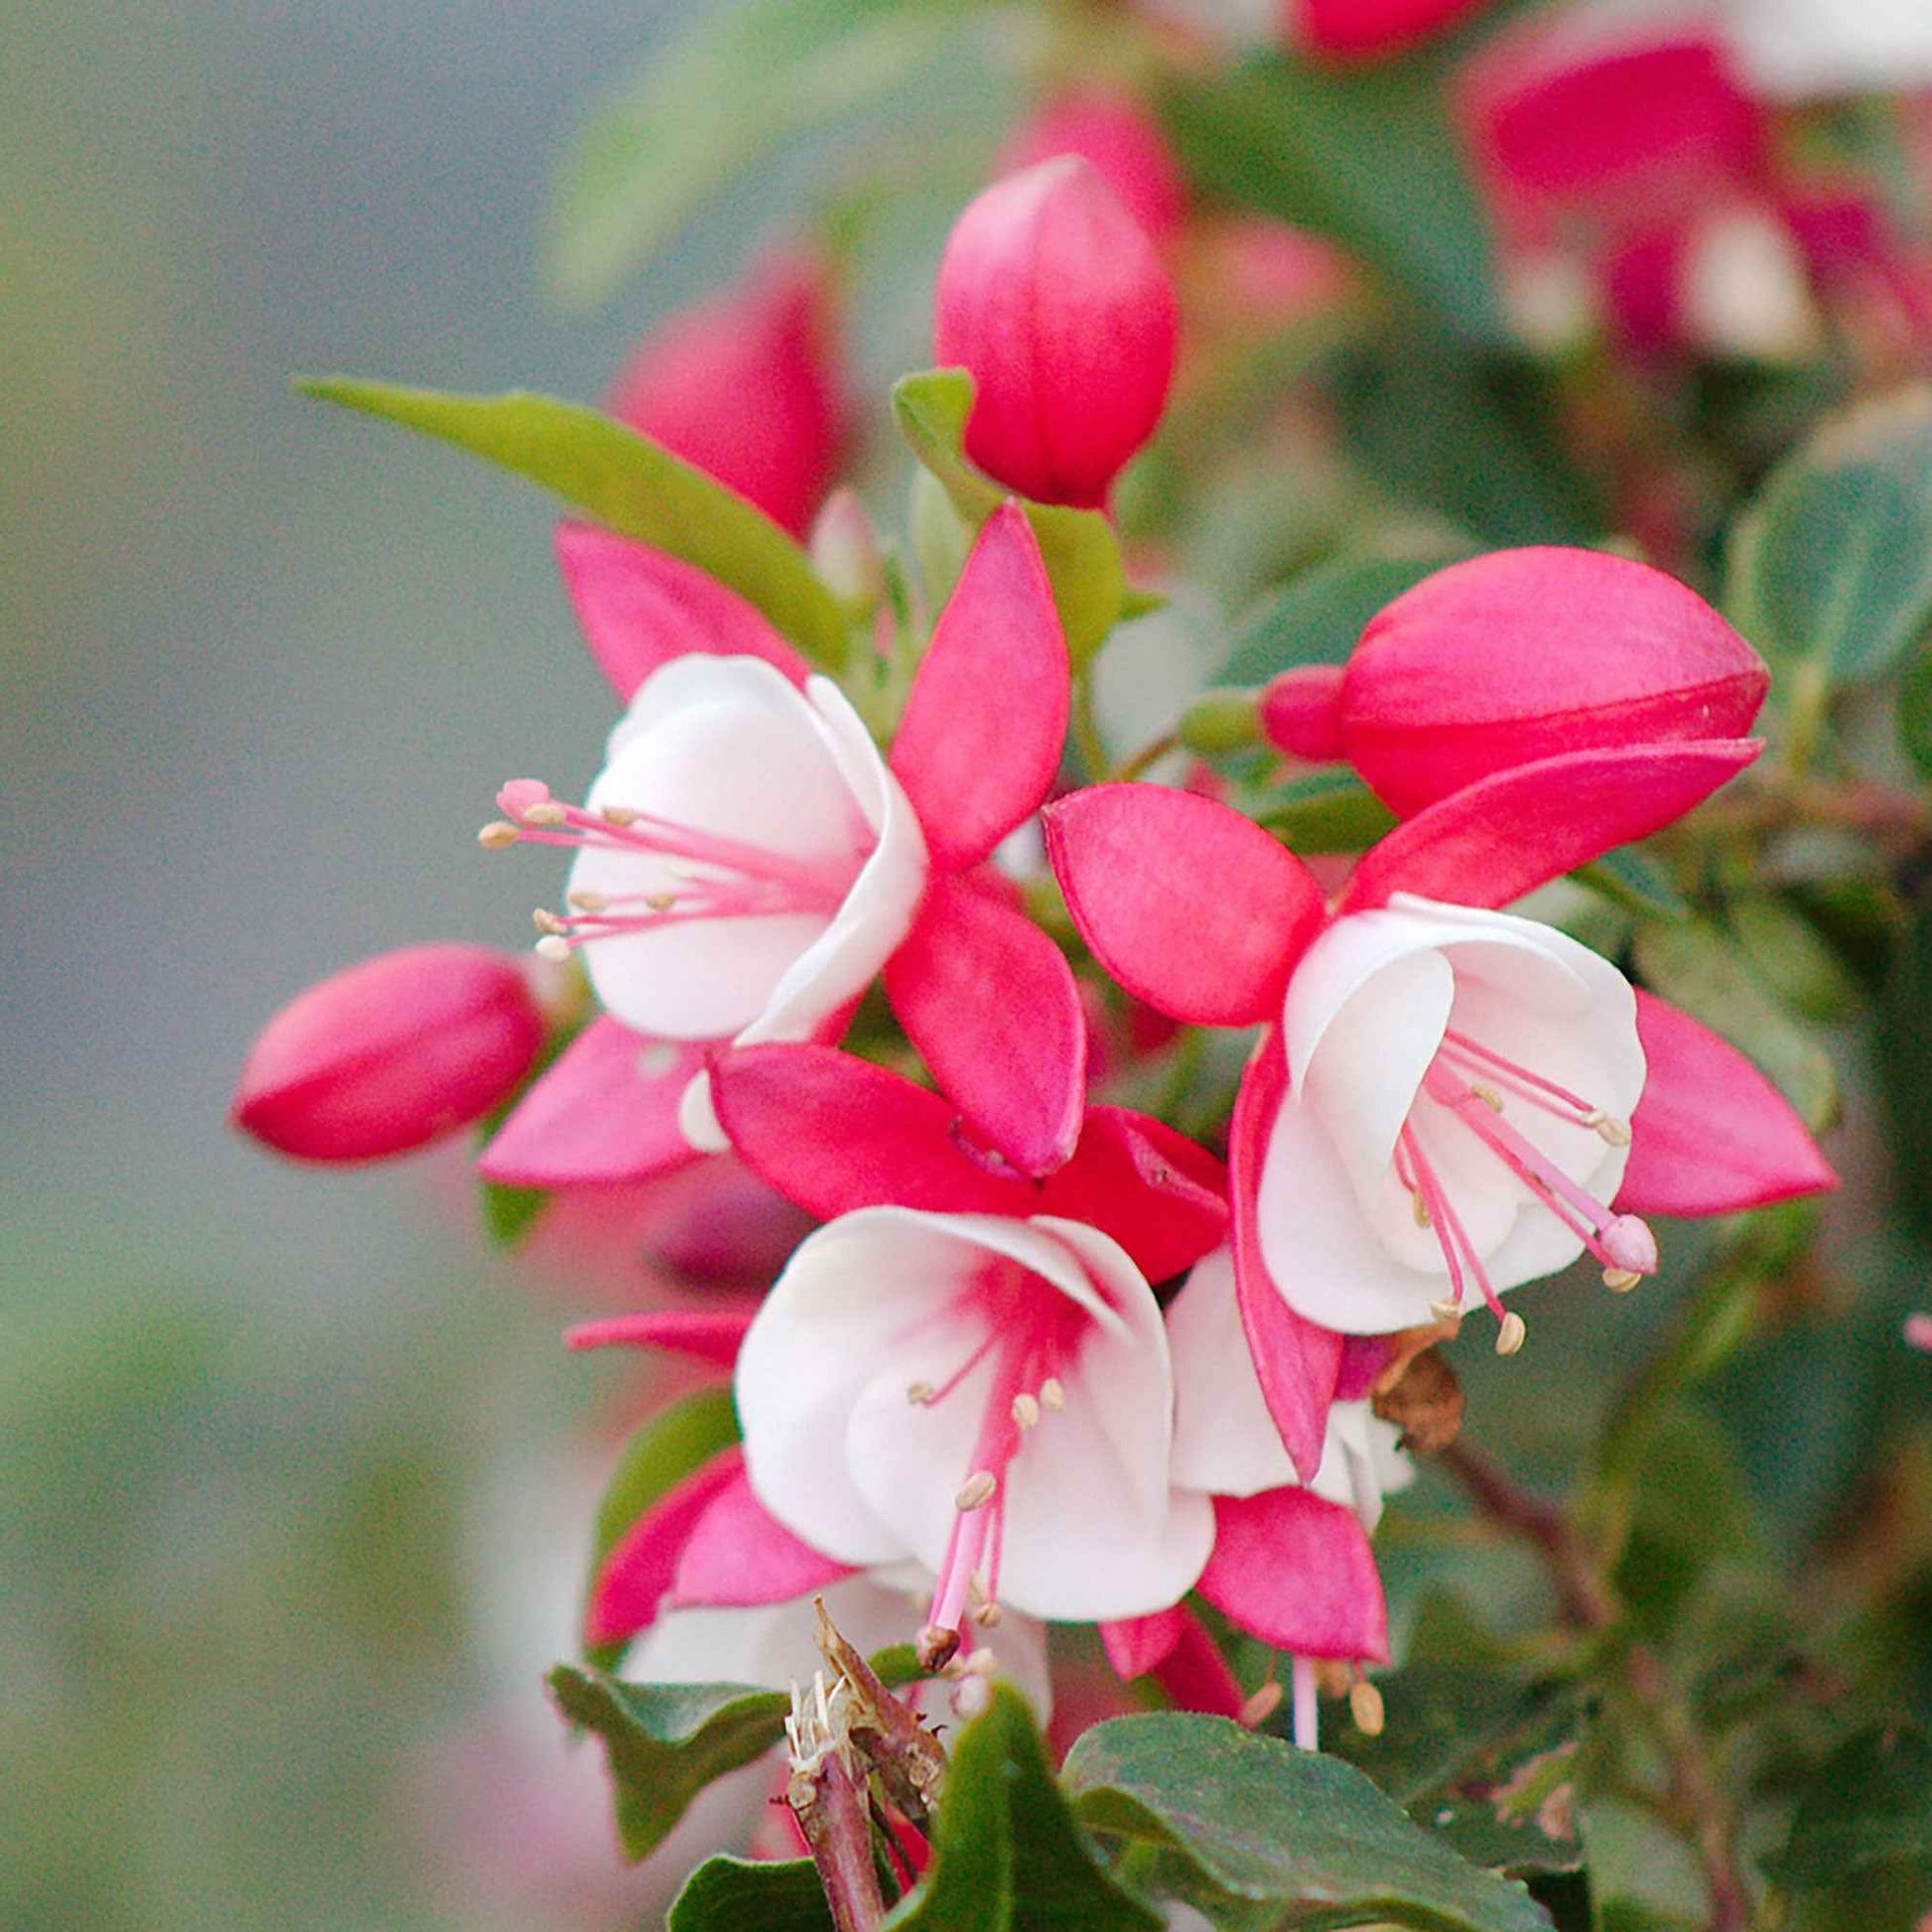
(509, 1214)
(1831, 567)
(1078, 547)
(1325, 811)
(751, 1895)
(1699, 968)
(668, 1741)
(1007, 1856)
(1363, 155)
(739, 84)
(678, 1439)
(1320, 614)
(1304, 1835)
(1868, 1803)
(626, 483)
(1483, 1758)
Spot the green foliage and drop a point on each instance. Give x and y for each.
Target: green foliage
(751, 1895)
(1260, 1824)
(629, 484)
(509, 1214)
(1078, 547)
(1870, 1802)
(738, 83)
(1365, 156)
(1007, 1854)
(668, 1741)
(1325, 811)
(1831, 569)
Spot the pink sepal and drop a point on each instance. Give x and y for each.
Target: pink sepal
(606, 1111)
(1297, 1362)
(1136, 1644)
(705, 1334)
(1364, 1361)
(833, 1133)
(994, 1009)
(980, 740)
(636, 1576)
(738, 1555)
(1494, 840)
(1711, 1133)
(1298, 1572)
(639, 609)
(1191, 906)
(1195, 1674)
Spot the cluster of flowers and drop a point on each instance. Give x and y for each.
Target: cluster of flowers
(1041, 1355)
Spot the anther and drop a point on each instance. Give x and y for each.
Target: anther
(1026, 1410)
(936, 1646)
(496, 835)
(552, 948)
(589, 901)
(1620, 1281)
(1365, 1706)
(1257, 1709)
(987, 1617)
(976, 1491)
(1614, 1132)
(547, 922)
(1511, 1333)
(970, 1697)
(1052, 1394)
(919, 1393)
(618, 815)
(1489, 1097)
(982, 1663)
(1447, 1311)
(1418, 1207)
(548, 812)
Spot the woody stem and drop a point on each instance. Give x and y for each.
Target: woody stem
(834, 1812)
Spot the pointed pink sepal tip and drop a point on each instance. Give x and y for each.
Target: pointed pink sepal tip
(1299, 1573)
(390, 1054)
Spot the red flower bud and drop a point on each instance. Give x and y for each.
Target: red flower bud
(1125, 145)
(746, 387)
(1052, 295)
(1301, 713)
(390, 1054)
(1524, 654)
(1367, 29)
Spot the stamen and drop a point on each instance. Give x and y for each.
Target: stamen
(1263, 1704)
(936, 1646)
(1052, 1394)
(1365, 1706)
(554, 949)
(919, 1393)
(977, 1490)
(1620, 1281)
(987, 1617)
(1512, 1334)
(497, 835)
(1026, 1410)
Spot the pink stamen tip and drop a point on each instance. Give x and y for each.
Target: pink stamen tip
(516, 797)
(1627, 1242)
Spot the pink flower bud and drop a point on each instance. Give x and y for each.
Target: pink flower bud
(1301, 713)
(1524, 654)
(746, 386)
(1050, 294)
(1125, 145)
(390, 1054)
(1368, 30)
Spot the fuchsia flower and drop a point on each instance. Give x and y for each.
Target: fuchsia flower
(1369, 30)
(965, 1369)
(1121, 140)
(1555, 650)
(746, 387)
(391, 1055)
(1050, 294)
(1447, 1102)
(747, 864)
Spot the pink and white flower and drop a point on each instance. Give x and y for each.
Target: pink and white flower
(747, 864)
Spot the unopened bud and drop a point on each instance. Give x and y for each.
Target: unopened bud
(845, 551)
(1051, 295)
(1220, 721)
(1301, 713)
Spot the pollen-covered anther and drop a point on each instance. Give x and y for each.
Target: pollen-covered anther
(1511, 1333)
(1026, 1410)
(1447, 1311)
(1263, 1704)
(1418, 1207)
(988, 1615)
(1052, 1395)
(1612, 1131)
(1365, 1706)
(982, 1663)
(936, 1646)
(976, 1491)
(547, 922)
(498, 835)
(918, 1394)
(1620, 1281)
(618, 815)
(1489, 1097)
(546, 813)
(553, 948)
(588, 901)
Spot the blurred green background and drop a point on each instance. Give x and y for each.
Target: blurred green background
(293, 1470)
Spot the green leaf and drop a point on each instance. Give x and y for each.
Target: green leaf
(1319, 616)
(1870, 1802)
(1630, 878)
(742, 82)
(751, 1895)
(1365, 156)
(1325, 811)
(1916, 712)
(1078, 547)
(668, 1741)
(510, 1212)
(626, 483)
(1695, 965)
(677, 1440)
(1832, 565)
(1304, 1835)
(1007, 1856)
(1484, 1759)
